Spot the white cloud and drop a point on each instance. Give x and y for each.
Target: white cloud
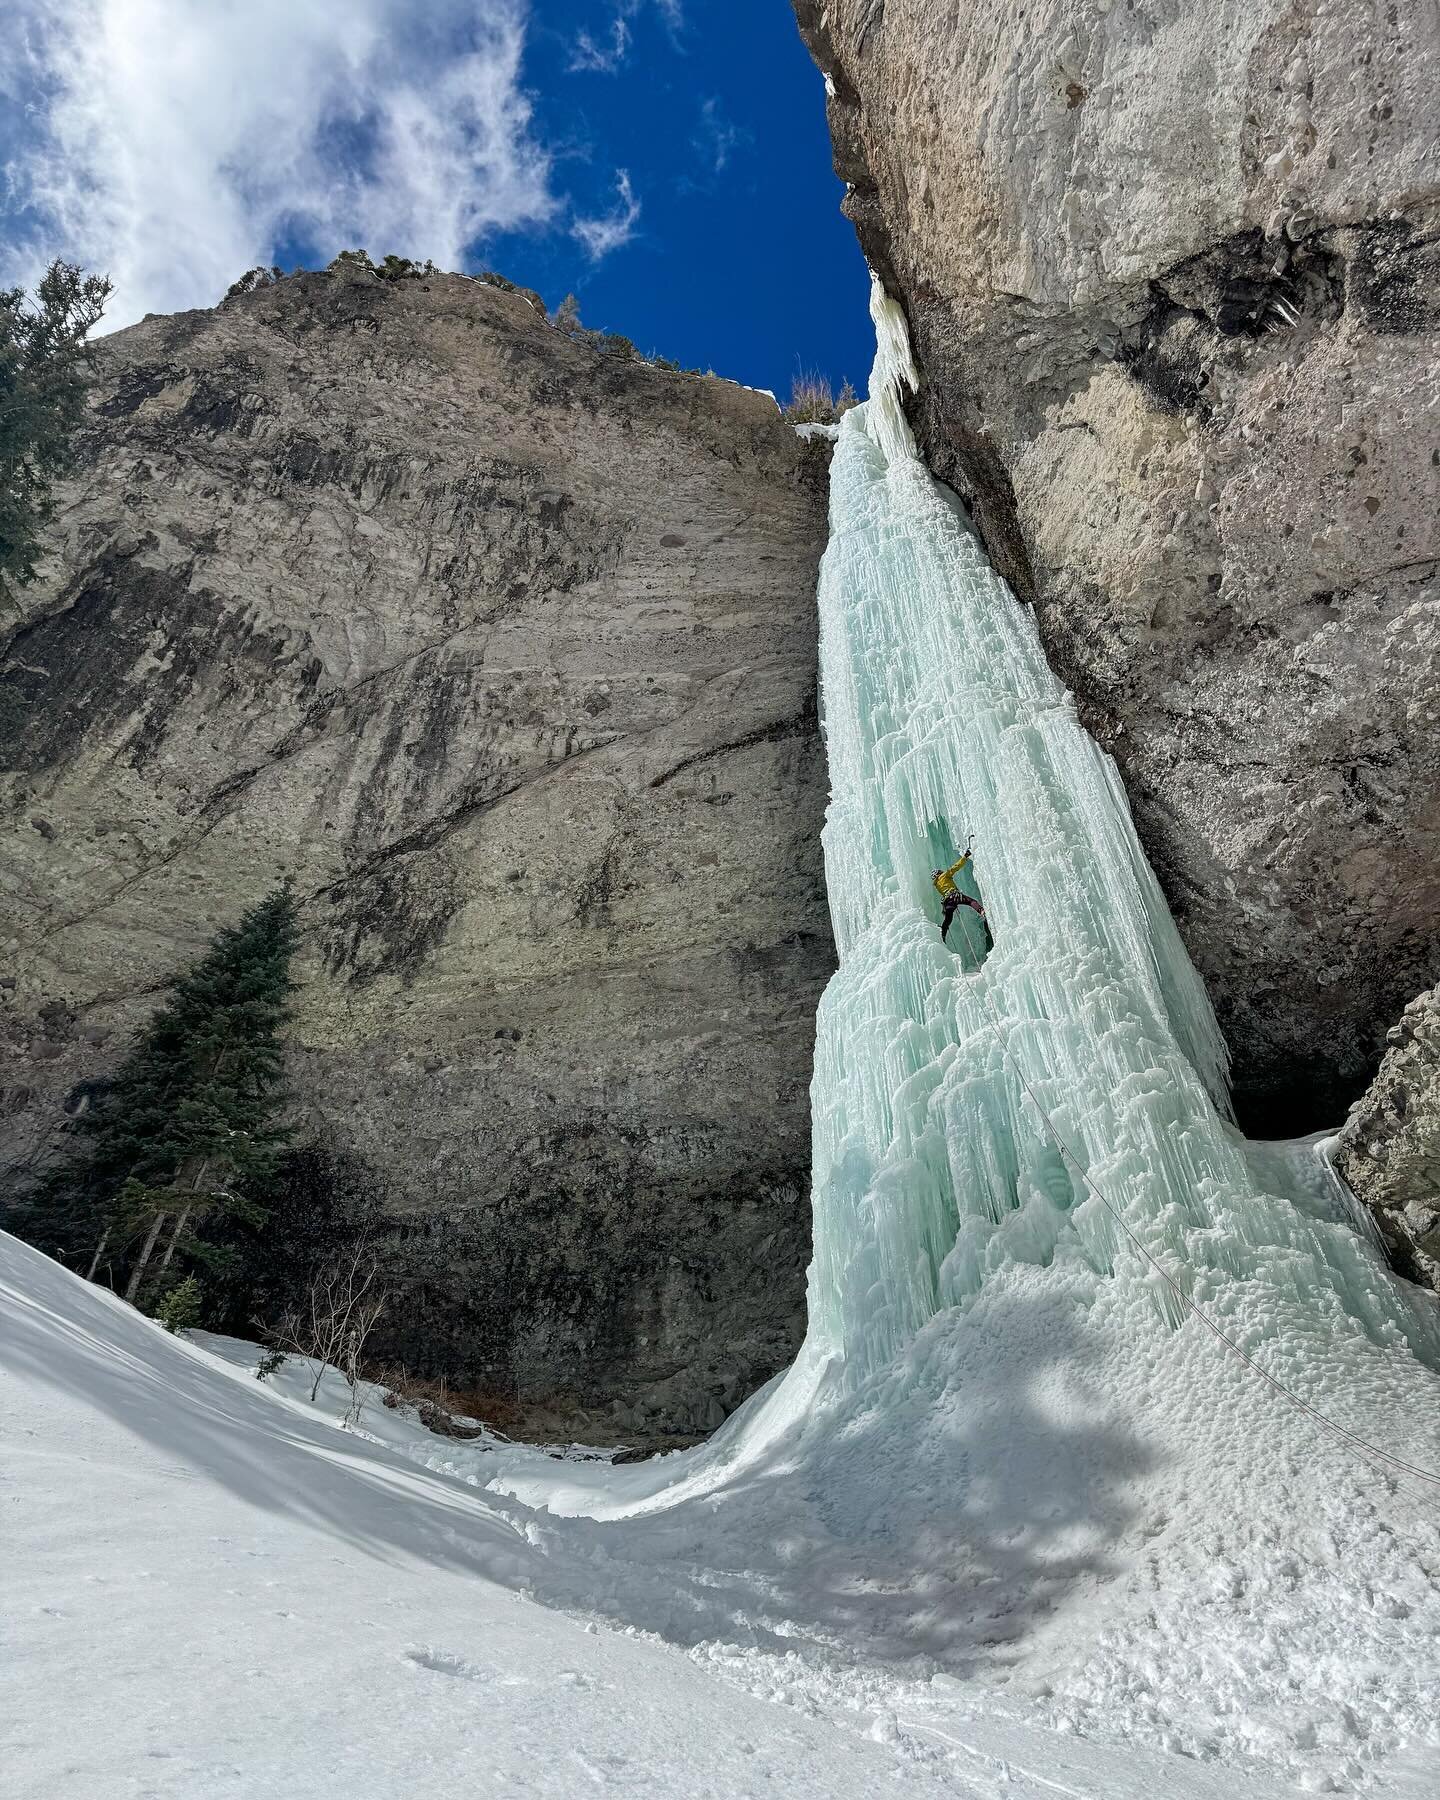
(605, 54)
(172, 143)
(588, 56)
(717, 139)
(608, 231)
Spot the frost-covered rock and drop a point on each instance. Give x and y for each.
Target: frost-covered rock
(1171, 278)
(1389, 1151)
(505, 650)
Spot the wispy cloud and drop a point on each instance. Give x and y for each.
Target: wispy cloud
(717, 139)
(586, 55)
(608, 231)
(172, 143)
(605, 53)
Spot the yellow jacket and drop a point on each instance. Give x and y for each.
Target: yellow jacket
(945, 880)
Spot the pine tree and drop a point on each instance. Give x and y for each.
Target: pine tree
(179, 1309)
(44, 372)
(190, 1128)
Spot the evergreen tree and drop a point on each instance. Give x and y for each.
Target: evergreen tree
(44, 371)
(179, 1309)
(190, 1128)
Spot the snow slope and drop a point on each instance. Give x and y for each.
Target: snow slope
(209, 1590)
(213, 1590)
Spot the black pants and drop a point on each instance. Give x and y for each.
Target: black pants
(950, 905)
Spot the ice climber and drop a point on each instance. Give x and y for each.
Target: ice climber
(951, 899)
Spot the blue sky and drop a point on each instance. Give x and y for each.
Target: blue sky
(665, 160)
(740, 258)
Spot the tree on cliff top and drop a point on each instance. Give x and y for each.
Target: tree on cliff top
(44, 371)
(190, 1128)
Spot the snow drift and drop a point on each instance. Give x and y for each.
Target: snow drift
(211, 1590)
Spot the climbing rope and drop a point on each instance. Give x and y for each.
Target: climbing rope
(1397, 1465)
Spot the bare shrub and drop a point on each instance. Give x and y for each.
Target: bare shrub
(814, 402)
(328, 1325)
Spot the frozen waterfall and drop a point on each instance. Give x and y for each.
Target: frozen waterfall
(933, 1163)
(1007, 1450)
(962, 1264)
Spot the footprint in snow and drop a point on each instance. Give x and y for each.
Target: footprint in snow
(442, 1663)
(604, 1771)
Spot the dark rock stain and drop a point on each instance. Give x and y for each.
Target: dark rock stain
(71, 672)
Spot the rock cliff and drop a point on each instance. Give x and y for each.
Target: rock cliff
(504, 649)
(1173, 278)
(1389, 1150)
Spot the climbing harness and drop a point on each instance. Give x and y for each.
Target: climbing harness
(1397, 1465)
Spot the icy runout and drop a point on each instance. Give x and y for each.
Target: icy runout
(933, 1164)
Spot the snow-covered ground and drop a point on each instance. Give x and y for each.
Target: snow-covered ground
(212, 1589)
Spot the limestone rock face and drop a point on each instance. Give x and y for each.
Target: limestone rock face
(1173, 274)
(504, 649)
(1389, 1150)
